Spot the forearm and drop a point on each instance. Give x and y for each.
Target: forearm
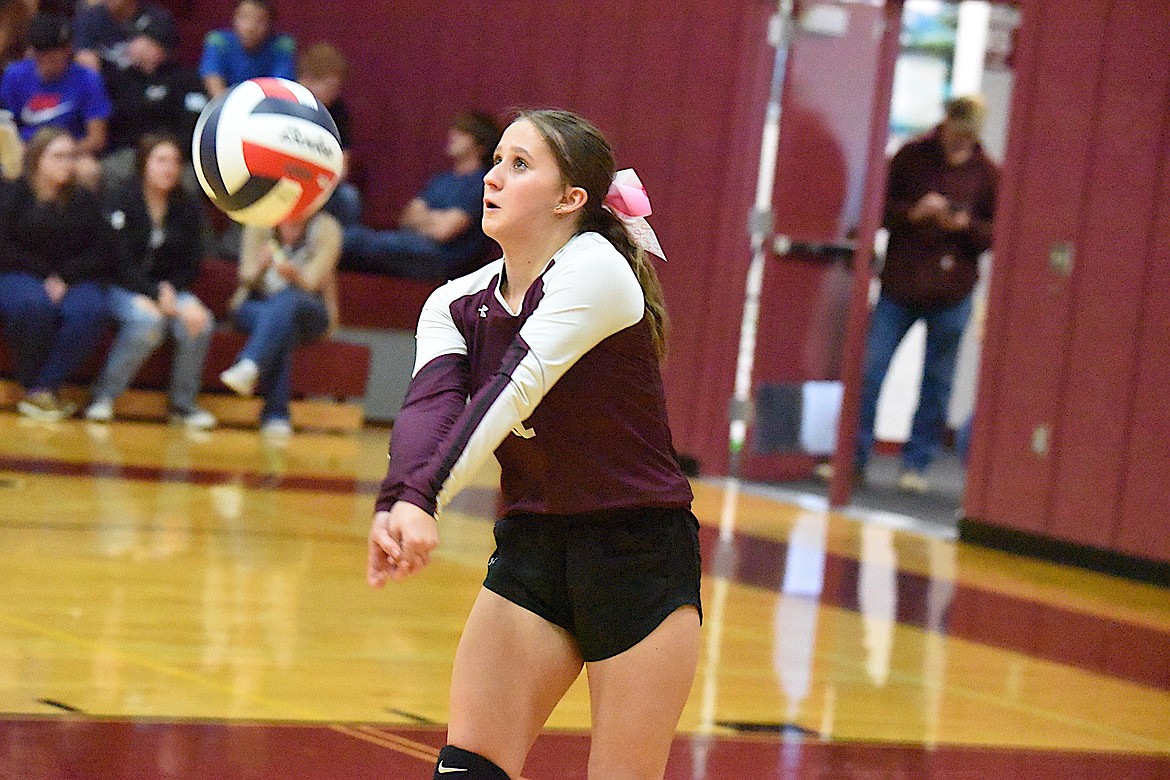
(95, 138)
(251, 255)
(435, 399)
(414, 216)
(979, 234)
(215, 85)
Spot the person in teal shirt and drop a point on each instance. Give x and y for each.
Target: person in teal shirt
(248, 50)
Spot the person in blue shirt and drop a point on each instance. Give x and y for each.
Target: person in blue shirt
(439, 235)
(248, 50)
(49, 89)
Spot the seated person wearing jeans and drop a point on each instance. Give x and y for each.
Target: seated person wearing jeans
(287, 295)
(158, 229)
(54, 268)
(439, 234)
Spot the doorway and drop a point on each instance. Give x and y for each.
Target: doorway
(946, 49)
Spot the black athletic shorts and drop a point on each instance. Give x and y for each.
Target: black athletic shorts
(609, 578)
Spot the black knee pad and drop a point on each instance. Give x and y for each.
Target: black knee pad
(459, 764)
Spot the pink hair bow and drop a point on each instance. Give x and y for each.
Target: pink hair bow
(627, 200)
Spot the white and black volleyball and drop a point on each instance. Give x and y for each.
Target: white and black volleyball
(266, 152)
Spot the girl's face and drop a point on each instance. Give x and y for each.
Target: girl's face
(58, 165)
(163, 167)
(524, 185)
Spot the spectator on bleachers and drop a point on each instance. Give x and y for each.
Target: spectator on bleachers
(14, 18)
(247, 50)
(152, 94)
(102, 32)
(158, 239)
(287, 295)
(322, 69)
(439, 235)
(55, 263)
(50, 89)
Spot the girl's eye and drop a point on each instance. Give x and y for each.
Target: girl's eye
(519, 163)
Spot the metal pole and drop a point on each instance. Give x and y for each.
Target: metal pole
(760, 226)
(873, 206)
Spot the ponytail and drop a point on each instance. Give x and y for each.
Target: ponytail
(586, 161)
(602, 221)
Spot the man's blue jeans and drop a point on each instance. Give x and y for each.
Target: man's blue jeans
(944, 331)
(402, 253)
(276, 324)
(345, 204)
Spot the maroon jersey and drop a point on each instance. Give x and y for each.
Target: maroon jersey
(566, 392)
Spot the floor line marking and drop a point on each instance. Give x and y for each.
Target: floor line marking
(401, 745)
(149, 663)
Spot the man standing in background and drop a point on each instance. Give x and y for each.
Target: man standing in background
(940, 202)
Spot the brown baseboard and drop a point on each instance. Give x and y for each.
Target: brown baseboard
(1068, 553)
(230, 410)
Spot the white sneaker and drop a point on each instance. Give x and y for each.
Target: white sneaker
(198, 419)
(276, 426)
(241, 377)
(44, 406)
(101, 410)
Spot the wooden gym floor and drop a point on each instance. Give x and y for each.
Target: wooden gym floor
(177, 605)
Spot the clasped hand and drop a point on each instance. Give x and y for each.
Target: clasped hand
(400, 543)
(936, 207)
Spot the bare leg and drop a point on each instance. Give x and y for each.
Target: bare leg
(637, 698)
(511, 669)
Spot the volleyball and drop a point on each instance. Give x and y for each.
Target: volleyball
(267, 151)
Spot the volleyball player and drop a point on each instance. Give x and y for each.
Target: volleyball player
(549, 358)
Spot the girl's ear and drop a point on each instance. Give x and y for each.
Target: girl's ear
(573, 200)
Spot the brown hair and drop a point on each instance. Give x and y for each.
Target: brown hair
(323, 59)
(264, 5)
(966, 113)
(35, 150)
(484, 129)
(586, 161)
(147, 144)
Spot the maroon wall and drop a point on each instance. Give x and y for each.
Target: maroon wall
(679, 89)
(1083, 355)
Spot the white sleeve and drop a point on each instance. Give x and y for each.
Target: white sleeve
(436, 333)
